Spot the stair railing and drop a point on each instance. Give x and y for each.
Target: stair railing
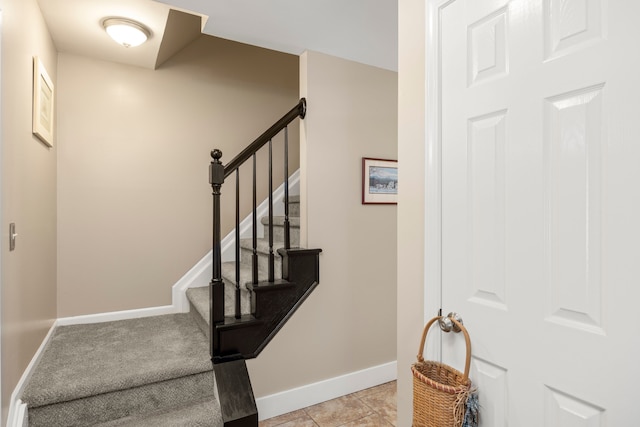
(217, 174)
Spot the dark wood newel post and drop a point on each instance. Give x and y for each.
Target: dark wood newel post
(216, 286)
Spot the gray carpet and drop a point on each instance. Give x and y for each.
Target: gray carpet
(99, 372)
(199, 414)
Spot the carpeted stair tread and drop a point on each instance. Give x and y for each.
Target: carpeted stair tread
(117, 404)
(199, 297)
(278, 221)
(88, 360)
(229, 273)
(262, 246)
(204, 413)
(278, 229)
(294, 206)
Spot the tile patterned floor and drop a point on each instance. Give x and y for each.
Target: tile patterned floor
(373, 407)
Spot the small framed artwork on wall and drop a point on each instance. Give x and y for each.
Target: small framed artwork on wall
(379, 181)
(43, 93)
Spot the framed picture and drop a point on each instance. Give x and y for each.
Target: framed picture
(379, 181)
(43, 93)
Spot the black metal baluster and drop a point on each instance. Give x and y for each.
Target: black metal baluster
(216, 286)
(287, 235)
(254, 264)
(238, 315)
(271, 257)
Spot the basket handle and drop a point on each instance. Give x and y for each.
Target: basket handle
(467, 340)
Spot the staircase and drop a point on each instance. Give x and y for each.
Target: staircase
(236, 335)
(199, 297)
(157, 371)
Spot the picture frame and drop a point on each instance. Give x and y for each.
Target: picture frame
(43, 103)
(379, 181)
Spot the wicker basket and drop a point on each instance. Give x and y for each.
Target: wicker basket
(440, 392)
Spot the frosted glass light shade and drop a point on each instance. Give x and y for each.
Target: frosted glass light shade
(126, 32)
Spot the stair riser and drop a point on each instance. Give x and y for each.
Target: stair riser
(144, 399)
(294, 209)
(246, 257)
(229, 308)
(201, 414)
(278, 234)
(230, 298)
(200, 321)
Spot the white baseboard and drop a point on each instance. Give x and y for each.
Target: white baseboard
(116, 315)
(199, 275)
(23, 415)
(312, 394)
(18, 416)
(17, 409)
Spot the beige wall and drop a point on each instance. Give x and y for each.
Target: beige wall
(411, 208)
(28, 196)
(134, 201)
(349, 322)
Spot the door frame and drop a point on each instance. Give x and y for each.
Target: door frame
(2, 241)
(433, 171)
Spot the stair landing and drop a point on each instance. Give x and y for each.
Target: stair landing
(96, 373)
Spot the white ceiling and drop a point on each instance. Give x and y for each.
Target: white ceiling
(360, 30)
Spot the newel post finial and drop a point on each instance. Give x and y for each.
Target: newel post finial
(216, 171)
(216, 155)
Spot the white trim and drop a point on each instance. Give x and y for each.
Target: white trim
(21, 419)
(23, 415)
(116, 315)
(2, 242)
(433, 166)
(17, 409)
(200, 274)
(311, 394)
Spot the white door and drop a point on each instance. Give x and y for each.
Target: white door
(539, 118)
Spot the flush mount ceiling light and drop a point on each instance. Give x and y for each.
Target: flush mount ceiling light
(126, 32)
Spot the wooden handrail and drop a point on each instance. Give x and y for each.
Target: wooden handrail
(299, 110)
